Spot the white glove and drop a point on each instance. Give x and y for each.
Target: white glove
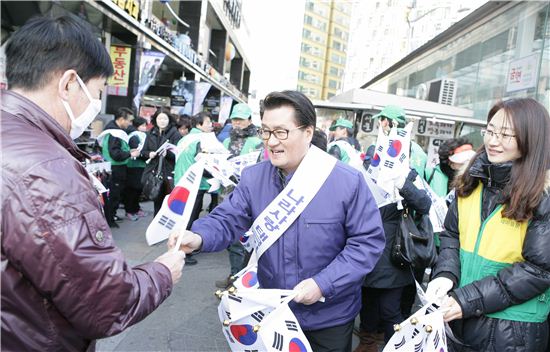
(438, 289)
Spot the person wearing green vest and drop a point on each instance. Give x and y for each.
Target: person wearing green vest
(190, 146)
(493, 272)
(453, 154)
(342, 148)
(137, 136)
(115, 149)
(243, 139)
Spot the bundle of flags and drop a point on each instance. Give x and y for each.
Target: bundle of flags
(260, 320)
(424, 331)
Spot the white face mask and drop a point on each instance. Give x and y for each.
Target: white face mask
(80, 123)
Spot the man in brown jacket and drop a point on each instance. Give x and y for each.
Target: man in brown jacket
(64, 282)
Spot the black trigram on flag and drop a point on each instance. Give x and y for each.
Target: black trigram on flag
(388, 163)
(402, 157)
(258, 316)
(291, 325)
(418, 346)
(400, 344)
(380, 148)
(277, 341)
(191, 177)
(436, 338)
(228, 315)
(167, 222)
(431, 308)
(250, 350)
(415, 332)
(401, 133)
(235, 298)
(228, 335)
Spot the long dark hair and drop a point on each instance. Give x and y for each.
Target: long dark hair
(171, 121)
(525, 189)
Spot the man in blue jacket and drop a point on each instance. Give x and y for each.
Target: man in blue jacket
(326, 251)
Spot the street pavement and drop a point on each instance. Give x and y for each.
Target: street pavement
(188, 319)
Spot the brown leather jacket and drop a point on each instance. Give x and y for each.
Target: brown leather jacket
(64, 282)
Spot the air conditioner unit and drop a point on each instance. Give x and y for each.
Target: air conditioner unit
(442, 91)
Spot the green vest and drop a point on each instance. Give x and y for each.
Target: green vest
(105, 151)
(488, 247)
(250, 144)
(438, 182)
(188, 151)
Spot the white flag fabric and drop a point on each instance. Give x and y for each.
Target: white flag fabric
(142, 137)
(115, 133)
(438, 210)
(177, 206)
(242, 161)
(267, 325)
(394, 158)
(424, 331)
(218, 166)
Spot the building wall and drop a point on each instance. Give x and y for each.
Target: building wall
(384, 31)
(504, 55)
(323, 48)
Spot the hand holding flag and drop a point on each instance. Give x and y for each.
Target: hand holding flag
(184, 240)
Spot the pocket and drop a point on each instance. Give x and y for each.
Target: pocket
(98, 229)
(318, 244)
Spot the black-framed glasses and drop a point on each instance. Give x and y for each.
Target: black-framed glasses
(503, 137)
(279, 133)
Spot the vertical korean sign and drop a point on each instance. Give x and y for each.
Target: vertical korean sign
(118, 82)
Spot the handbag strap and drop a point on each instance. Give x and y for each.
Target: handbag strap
(159, 167)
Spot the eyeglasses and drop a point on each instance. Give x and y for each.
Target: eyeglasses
(503, 137)
(280, 133)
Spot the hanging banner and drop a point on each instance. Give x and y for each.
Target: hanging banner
(149, 64)
(118, 82)
(225, 109)
(201, 89)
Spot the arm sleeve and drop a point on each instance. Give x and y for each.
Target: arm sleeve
(448, 261)
(229, 220)
(115, 149)
(515, 284)
(365, 242)
(415, 198)
(60, 242)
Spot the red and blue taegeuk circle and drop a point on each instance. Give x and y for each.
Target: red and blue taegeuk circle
(296, 345)
(177, 200)
(395, 148)
(244, 334)
(375, 160)
(249, 279)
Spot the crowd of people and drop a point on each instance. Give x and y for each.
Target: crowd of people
(61, 267)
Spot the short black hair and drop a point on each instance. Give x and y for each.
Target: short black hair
(124, 113)
(138, 121)
(319, 139)
(305, 112)
(184, 121)
(198, 119)
(48, 45)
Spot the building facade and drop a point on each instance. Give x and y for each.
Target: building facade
(500, 51)
(323, 49)
(160, 49)
(384, 31)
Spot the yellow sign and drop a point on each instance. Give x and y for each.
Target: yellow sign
(118, 82)
(130, 6)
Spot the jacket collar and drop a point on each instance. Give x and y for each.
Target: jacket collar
(32, 114)
(492, 175)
